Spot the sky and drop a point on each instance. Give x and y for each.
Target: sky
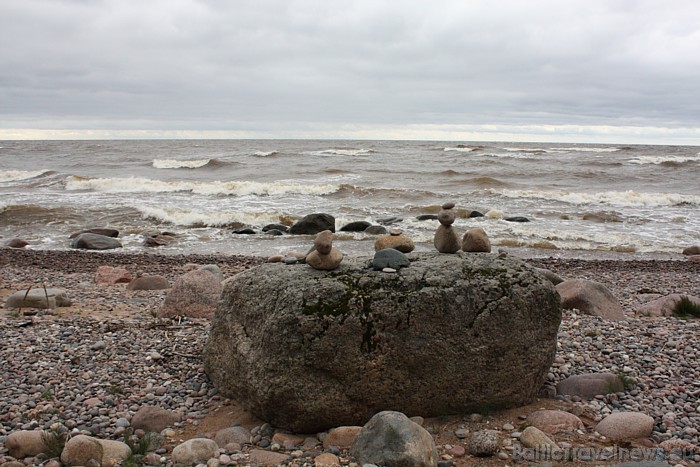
(598, 71)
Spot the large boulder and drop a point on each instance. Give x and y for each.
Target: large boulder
(313, 224)
(665, 306)
(37, 298)
(91, 241)
(449, 334)
(590, 298)
(194, 294)
(106, 232)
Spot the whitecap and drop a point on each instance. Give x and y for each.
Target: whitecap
(265, 153)
(179, 164)
(615, 198)
(340, 152)
(579, 149)
(460, 149)
(663, 159)
(199, 218)
(15, 175)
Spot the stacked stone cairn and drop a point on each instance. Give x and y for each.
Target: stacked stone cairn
(324, 256)
(446, 239)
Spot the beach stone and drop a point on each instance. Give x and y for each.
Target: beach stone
(288, 440)
(625, 426)
(90, 241)
(280, 227)
(313, 224)
(398, 242)
(149, 282)
(376, 230)
(390, 439)
(342, 437)
(665, 306)
(589, 385)
(516, 219)
(25, 443)
(195, 451)
(113, 233)
(327, 460)
(214, 269)
(476, 241)
(111, 275)
(261, 457)
(16, 243)
(389, 258)
(590, 298)
(36, 298)
(446, 240)
(194, 294)
(427, 217)
(274, 232)
(692, 250)
(275, 259)
(555, 421)
(534, 438)
(551, 276)
(234, 434)
(81, 449)
(246, 231)
(357, 226)
(484, 443)
(158, 240)
(154, 419)
(370, 340)
(694, 258)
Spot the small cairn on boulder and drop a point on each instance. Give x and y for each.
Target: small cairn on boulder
(446, 239)
(396, 240)
(324, 256)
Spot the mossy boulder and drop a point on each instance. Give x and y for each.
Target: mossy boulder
(307, 350)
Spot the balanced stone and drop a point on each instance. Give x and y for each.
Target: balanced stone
(324, 256)
(481, 327)
(446, 239)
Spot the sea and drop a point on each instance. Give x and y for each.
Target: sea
(579, 200)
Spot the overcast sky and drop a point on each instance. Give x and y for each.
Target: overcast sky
(593, 70)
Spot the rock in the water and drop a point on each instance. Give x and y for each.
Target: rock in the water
(665, 306)
(324, 257)
(625, 426)
(247, 231)
(371, 340)
(280, 227)
(590, 385)
(158, 240)
(397, 242)
(111, 275)
(37, 298)
(555, 421)
(390, 258)
(533, 438)
(427, 217)
(516, 219)
(105, 232)
(274, 232)
(155, 419)
(475, 214)
(376, 230)
(24, 443)
(692, 250)
(16, 243)
(484, 443)
(194, 294)
(389, 220)
(90, 241)
(476, 241)
(313, 224)
(591, 298)
(391, 439)
(195, 451)
(148, 283)
(357, 226)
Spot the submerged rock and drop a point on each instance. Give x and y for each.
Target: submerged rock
(482, 328)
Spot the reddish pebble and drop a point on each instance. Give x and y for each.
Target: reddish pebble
(457, 451)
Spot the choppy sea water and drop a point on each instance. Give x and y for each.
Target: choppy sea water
(585, 198)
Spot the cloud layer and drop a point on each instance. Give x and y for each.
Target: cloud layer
(305, 67)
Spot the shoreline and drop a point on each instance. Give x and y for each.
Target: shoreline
(50, 362)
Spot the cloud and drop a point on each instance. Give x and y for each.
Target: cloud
(280, 67)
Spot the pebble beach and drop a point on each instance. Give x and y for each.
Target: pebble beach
(91, 366)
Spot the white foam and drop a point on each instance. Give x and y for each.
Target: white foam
(15, 175)
(340, 152)
(146, 185)
(615, 198)
(579, 149)
(185, 217)
(179, 164)
(265, 153)
(460, 149)
(661, 159)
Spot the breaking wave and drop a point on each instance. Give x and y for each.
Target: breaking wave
(340, 152)
(185, 164)
(15, 175)
(199, 218)
(664, 160)
(614, 198)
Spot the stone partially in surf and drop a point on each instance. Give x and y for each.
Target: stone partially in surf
(91, 241)
(313, 224)
(450, 334)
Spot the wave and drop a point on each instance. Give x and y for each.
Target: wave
(185, 164)
(340, 152)
(265, 153)
(242, 188)
(16, 175)
(198, 218)
(486, 182)
(579, 149)
(615, 198)
(461, 148)
(670, 161)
